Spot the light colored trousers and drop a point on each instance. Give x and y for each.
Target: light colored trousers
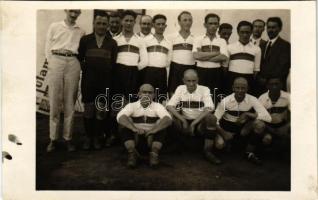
(63, 78)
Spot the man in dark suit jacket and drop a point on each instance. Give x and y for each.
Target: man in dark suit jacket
(275, 60)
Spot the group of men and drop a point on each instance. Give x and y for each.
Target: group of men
(164, 84)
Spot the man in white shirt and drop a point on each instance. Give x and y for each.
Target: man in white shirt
(63, 74)
(159, 56)
(241, 114)
(277, 103)
(132, 56)
(144, 118)
(244, 57)
(191, 107)
(210, 51)
(182, 57)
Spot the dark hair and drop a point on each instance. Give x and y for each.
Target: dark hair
(183, 12)
(114, 14)
(211, 15)
(101, 13)
(258, 20)
(159, 16)
(277, 20)
(130, 13)
(244, 23)
(225, 26)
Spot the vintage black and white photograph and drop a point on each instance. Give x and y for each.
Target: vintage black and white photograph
(163, 100)
(160, 100)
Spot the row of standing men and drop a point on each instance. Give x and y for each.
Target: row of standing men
(127, 60)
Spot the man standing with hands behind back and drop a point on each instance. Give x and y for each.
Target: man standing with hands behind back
(63, 74)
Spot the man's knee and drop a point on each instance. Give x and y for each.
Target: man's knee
(267, 139)
(219, 142)
(210, 121)
(258, 126)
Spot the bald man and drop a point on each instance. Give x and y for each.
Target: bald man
(145, 27)
(144, 118)
(191, 107)
(241, 114)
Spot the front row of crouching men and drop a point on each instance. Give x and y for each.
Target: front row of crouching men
(238, 116)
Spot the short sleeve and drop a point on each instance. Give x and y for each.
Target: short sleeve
(161, 111)
(207, 100)
(176, 98)
(127, 110)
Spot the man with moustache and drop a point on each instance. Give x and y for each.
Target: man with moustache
(182, 57)
(275, 55)
(61, 51)
(258, 29)
(244, 57)
(210, 51)
(97, 54)
(159, 56)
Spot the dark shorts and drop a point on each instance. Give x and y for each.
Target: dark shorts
(176, 75)
(126, 80)
(127, 134)
(231, 127)
(211, 78)
(157, 77)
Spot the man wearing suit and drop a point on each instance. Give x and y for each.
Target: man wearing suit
(258, 29)
(275, 60)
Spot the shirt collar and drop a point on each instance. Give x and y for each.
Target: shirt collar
(64, 24)
(206, 36)
(239, 43)
(273, 40)
(255, 40)
(232, 98)
(139, 106)
(179, 35)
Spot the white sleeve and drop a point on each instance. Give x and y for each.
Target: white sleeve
(143, 61)
(257, 61)
(162, 112)
(262, 113)
(207, 100)
(223, 49)
(127, 110)
(220, 110)
(196, 44)
(48, 42)
(175, 99)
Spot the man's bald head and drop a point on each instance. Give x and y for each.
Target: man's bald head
(241, 81)
(146, 87)
(145, 24)
(190, 73)
(190, 79)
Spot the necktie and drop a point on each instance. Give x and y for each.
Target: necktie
(268, 49)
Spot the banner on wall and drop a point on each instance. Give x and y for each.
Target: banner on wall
(42, 93)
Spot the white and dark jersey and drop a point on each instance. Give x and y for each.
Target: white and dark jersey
(191, 104)
(144, 118)
(159, 53)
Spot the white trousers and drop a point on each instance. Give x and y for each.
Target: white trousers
(63, 78)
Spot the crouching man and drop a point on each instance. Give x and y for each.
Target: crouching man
(241, 114)
(277, 103)
(144, 118)
(191, 107)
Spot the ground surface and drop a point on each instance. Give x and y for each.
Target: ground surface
(179, 170)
